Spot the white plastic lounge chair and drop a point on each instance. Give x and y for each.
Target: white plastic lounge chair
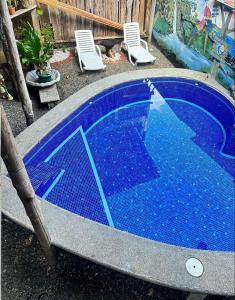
(132, 44)
(88, 57)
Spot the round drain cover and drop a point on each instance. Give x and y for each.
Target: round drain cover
(194, 267)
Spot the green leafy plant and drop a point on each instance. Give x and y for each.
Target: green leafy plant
(64, 49)
(13, 3)
(10, 3)
(35, 49)
(48, 33)
(39, 11)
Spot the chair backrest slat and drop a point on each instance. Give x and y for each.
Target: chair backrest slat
(132, 34)
(84, 40)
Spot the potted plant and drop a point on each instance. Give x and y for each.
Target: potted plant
(11, 6)
(36, 49)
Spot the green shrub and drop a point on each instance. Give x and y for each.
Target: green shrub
(35, 48)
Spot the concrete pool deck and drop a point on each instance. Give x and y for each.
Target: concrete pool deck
(139, 257)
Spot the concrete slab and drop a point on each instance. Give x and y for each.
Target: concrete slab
(49, 94)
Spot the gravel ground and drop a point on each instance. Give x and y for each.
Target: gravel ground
(25, 273)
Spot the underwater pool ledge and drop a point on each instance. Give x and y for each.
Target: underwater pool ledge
(139, 257)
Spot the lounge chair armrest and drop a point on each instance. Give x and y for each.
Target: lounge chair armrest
(145, 44)
(99, 51)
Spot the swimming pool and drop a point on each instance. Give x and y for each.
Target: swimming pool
(153, 157)
(136, 171)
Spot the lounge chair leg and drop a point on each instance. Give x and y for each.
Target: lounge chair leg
(193, 296)
(130, 60)
(81, 68)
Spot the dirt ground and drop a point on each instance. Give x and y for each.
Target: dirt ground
(25, 273)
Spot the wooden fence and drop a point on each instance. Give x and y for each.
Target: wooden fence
(120, 11)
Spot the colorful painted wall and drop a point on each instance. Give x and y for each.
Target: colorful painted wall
(194, 30)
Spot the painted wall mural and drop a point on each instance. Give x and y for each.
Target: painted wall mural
(201, 35)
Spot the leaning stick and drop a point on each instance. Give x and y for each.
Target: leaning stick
(23, 186)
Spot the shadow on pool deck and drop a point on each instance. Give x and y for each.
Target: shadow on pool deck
(25, 273)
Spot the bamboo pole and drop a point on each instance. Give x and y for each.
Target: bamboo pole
(23, 186)
(15, 62)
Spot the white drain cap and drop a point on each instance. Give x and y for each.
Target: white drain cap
(194, 267)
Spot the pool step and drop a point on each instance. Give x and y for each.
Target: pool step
(42, 176)
(79, 189)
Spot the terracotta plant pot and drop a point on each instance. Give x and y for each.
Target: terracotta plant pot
(12, 10)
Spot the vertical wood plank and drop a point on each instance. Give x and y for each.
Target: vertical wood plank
(96, 26)
(107, 13)
(152, 14)
(148, 6)
(55, 21)
(113, 9)
(129, 10)
(136, 10)
(71, 22)
(80, 22)
(123, 11)
(34, 19)
(63, 19)
(87, 8)
(44, 20)
(142, 14)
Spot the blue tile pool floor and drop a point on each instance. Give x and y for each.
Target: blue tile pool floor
(158, 164)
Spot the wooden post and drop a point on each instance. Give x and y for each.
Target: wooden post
(23, 186)
(15, 61)
(33, 13)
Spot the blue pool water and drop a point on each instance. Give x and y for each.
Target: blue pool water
(153, 157)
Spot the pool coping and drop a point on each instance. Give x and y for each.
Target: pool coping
(139, 257)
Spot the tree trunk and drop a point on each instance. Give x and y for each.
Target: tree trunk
(23, 186)
(15, 61)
